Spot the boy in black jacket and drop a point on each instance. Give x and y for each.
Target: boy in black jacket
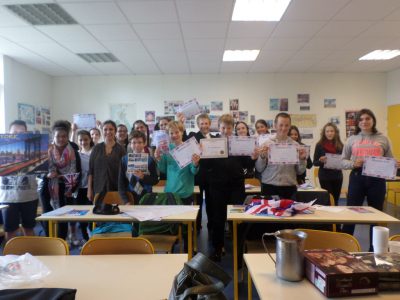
(226, 185)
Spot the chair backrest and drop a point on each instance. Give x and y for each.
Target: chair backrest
(315, 176)
(161, 183)
(395, 237)
(36, 245)
(110, 198)
(320, 239)
(252, 181)
(117, 245)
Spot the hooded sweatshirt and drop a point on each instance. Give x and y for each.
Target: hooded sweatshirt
(365, 144)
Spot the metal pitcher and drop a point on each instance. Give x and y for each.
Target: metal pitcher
(289, 262)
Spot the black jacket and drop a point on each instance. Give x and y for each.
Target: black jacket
(325, 174)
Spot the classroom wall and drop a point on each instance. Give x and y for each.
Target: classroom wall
(26, 85)
(393, 87)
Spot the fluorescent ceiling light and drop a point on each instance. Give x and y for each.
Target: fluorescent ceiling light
(240, 55)
(259, 10)
(381, 55)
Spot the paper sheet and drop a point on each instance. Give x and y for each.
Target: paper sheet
(156, 212)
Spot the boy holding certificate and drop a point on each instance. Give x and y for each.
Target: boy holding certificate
(280, 162)
(179, 181)
(133, 179)
(367, 142)
(226, 185)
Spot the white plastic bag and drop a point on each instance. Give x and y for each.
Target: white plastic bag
(21, 269)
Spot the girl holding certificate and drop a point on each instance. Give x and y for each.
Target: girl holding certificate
(280, 178)
(179, 181)
(366, 142)
(294, 133)
(329, 179)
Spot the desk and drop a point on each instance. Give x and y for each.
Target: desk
(186, 218)
(104, 277)
(3, 206)
(257, 189)
(160, 189)
(324, 217)
(268, 286)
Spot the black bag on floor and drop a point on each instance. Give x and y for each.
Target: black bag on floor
(200, 279)
(38, 294)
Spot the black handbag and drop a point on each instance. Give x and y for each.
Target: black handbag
(200, 279)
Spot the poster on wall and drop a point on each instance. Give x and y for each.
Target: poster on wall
(274, 104)
(329, 103)
(304, 107)
(84, 121)
(278, 104)
(171, 107)
(26, 112)
(46, 117)
(284, 104)
(270, 123)
(303, 98)
(217, 106)
(306, 133)
(205, 108)
(304, 120)
(38, 115)
(335, 120)
(244, 116)
(150, 116)
(350, 117)
(252, 119)
(214, 123)
(235, 115)
(124, 113)
(233, 104)
(24, 153)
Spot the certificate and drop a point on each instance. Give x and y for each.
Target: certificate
(306, 149)
(333, 161)
(85, 121)
(214, 148)
(242, 145)
(381, 167)
(184, 152)
(263, 138)
(137, 162)
(190, 108)
(283, 154)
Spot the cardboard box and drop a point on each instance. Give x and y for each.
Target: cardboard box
(388, 267)
(336, 273)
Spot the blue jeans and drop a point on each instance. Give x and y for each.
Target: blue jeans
(361, 186)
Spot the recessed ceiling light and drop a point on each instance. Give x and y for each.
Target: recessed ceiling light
(240, 55)
(380, 55)
(259, 10)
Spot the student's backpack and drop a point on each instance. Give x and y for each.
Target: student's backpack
(157, 227)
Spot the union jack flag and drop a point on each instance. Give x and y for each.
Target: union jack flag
(71, 180)
(278, 208)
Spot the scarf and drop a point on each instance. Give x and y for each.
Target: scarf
(63, 164)
(329, 147)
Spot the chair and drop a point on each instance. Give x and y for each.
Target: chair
(319, 239)
(395, 238)
(315, 177)
(161, 183)
(162, 243)
(117, 245)
(252, 181)
(36, 245)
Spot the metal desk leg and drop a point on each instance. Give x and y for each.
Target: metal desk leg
(235, 261)
(190, 241)
(180, 238)
(195, 236)
(50, 224)
(55, 229)
(249, 287)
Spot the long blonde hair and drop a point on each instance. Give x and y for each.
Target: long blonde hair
(336, 140)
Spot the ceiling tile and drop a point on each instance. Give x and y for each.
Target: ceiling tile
(134, 47)
(204, 44)
(172, 63)
(297, 29)
(116, 68)
(301, 10)
(66, 33)
(250, 29)
(95, 13)
(267, 56)
(84, 47)
(149, 11)
(158, 31)
(285, 43)
(204, 30)
(394, 16)
(326, 43)
(383, 29)
(345, 56)
(204, 67)
(235, 67)
(165, 45)
(344, 28)
(297, 66)
(371, 43)
(205, 10)
(244, 44)
(23, 34)
(115, 32)
(368, 10)
(7, 18)
(364, 66)
(314, 55)
(205, 56)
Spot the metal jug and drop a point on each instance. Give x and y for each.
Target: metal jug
(289, 262)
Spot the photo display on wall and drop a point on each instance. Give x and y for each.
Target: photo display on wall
(350, 117)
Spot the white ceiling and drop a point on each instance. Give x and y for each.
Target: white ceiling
(190, 36)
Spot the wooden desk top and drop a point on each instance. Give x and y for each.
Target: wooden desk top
(262, 271)
(89, 216)
(107, 277)
(344, 216)
(160, 189)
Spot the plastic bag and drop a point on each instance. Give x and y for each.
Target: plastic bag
(21, 269)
